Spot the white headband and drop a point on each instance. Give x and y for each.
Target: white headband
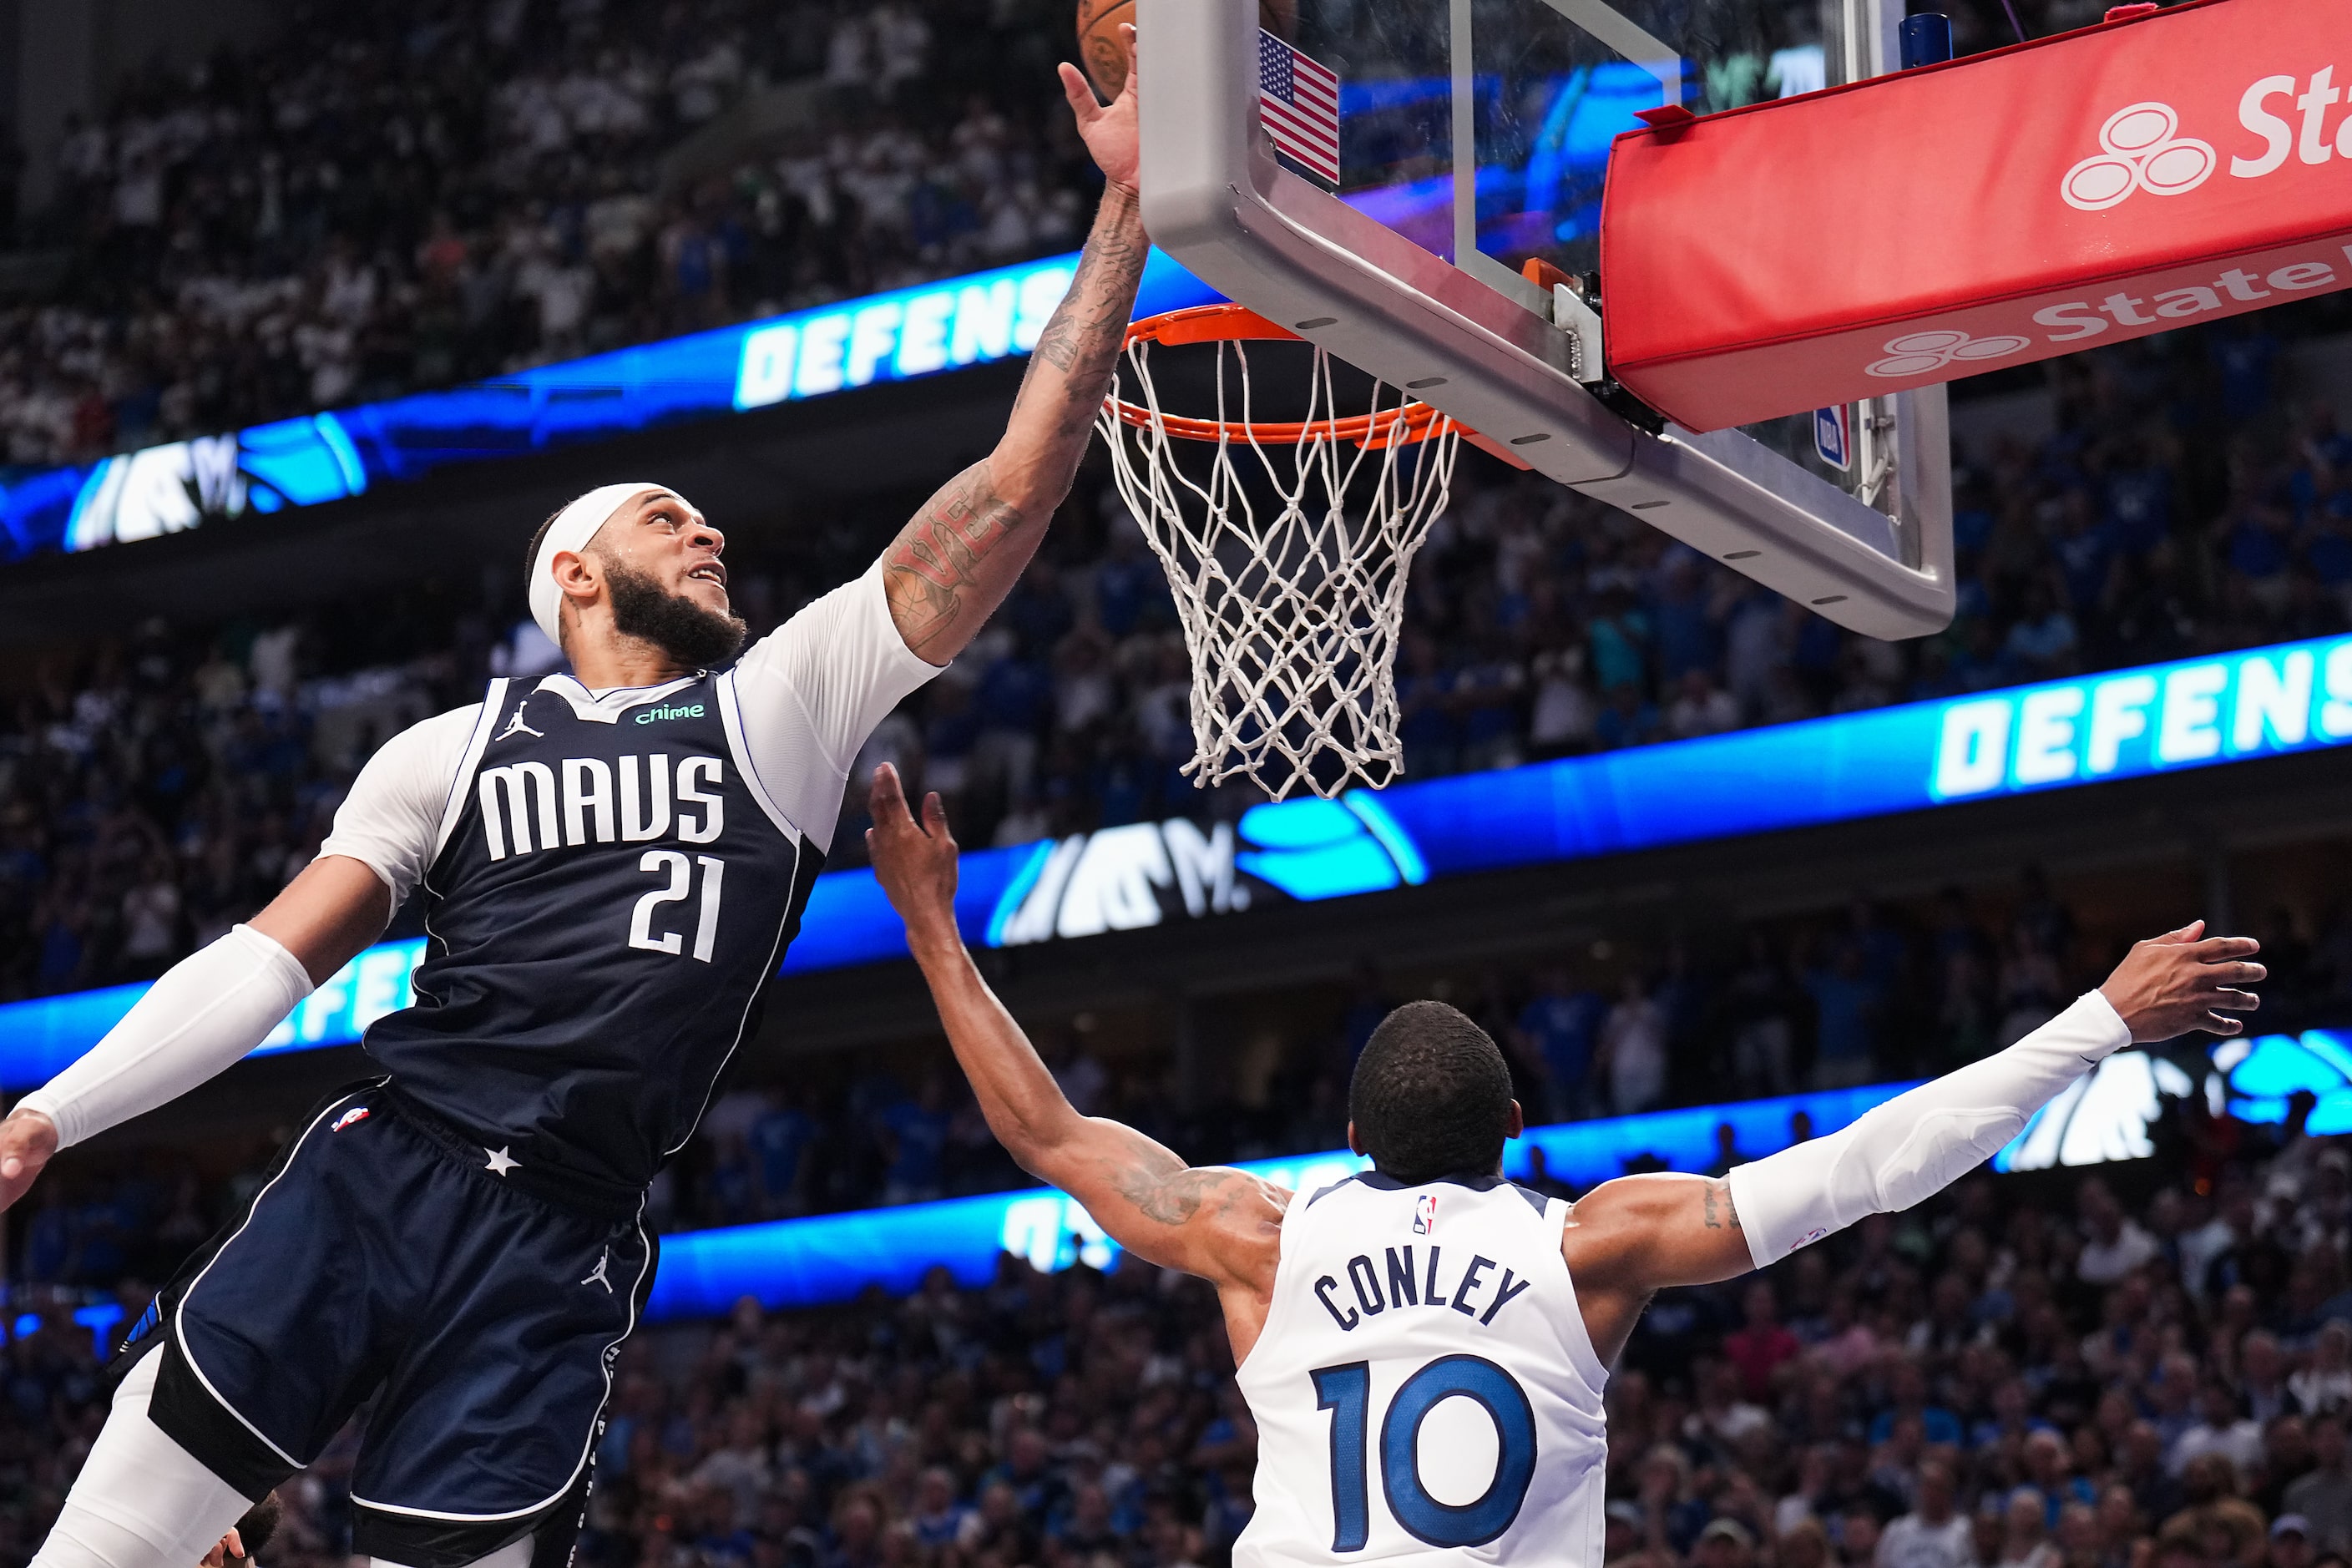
(573, 526)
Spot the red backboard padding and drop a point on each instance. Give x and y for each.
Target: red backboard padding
(2100, 185)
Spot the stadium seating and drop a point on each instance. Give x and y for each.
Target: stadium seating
(449, 192)
(2106, 1375)
(1540, 626)
(2146, 1373)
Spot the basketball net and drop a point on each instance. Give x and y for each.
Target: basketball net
(1287, 545)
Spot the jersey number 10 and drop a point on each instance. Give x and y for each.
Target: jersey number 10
(1347, 1392)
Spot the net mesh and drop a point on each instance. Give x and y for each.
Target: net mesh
(1287, 548)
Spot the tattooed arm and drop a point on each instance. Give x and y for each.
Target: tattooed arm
(1628, 1238)
(954, 562)
(1221, 1224)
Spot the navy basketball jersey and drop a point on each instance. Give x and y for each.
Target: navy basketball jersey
(612, 892)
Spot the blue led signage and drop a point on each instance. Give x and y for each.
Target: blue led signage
(832, 1257)
(2106, 1116)
(2258, 1077)
(320, 458)
(2196, 713)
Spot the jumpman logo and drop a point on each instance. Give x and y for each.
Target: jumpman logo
(515, 725)
(597, 1275)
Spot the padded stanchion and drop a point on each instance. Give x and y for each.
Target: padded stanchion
(2165, 168)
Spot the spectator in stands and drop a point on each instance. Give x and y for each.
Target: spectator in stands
(1846, 999)
(2113, 1244)
(1060, 1419)
(1561, 1028)
(1761, 1346)
(2324, 1387)
(1633, 1051)
(2220, 1429)
(1932, 1535)
(2323, 1494)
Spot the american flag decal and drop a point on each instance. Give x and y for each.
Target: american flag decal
(1298, 100)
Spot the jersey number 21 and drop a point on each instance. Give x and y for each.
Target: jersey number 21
(674, 865)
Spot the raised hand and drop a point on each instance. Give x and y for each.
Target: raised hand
(956, 559)
(2185, 979)
(916, 863)
(1110, 132)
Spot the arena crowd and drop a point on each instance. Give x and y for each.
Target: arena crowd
(448, 190)
(2150, 1368)
(154, 788)
(438, 192)
(2144, 1367)
(415, 192)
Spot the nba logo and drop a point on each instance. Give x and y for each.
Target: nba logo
(1833, 436)
(1425, 1215)
(356, 1113)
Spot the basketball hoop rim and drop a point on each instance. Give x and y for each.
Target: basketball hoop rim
(1229, 323)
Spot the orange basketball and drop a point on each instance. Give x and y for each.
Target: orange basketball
(1102, 47)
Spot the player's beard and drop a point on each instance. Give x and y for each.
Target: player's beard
(696, 637)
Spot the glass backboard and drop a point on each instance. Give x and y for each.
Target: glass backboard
(1414, 179)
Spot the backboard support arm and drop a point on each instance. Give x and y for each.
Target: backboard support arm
(1215, 198)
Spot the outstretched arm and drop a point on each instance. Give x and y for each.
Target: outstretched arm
(1221, 1224)
(205, 1013)
(952, 564)
(1638, 1234)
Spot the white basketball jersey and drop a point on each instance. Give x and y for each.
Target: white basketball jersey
(1425, 1389)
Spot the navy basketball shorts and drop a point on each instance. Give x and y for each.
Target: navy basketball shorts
(387, 1268)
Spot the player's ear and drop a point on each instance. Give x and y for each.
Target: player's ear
(1353, 1146)
(1516, 1124)
(574, 576)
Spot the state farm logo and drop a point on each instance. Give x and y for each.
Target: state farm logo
(2143, 151)
(1922, 353)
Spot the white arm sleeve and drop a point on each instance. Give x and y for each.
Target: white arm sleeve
(1916, 1144)
(391, 822)
(813, 688)
(209, 1009)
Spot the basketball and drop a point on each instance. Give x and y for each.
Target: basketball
(1102, 47)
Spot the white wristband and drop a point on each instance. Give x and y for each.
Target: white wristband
(208, 1009)
(1915, 1145)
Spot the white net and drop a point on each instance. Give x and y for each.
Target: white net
(1287, 547)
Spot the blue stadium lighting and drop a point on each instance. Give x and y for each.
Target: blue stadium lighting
(1025, 880)
(834, 1258)
(330, 456)
(99, 1320)
(2297, 697)
(1314, 849)
(1385, 830)
(2275, 700)
(300, 462)
(2259, 1076)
